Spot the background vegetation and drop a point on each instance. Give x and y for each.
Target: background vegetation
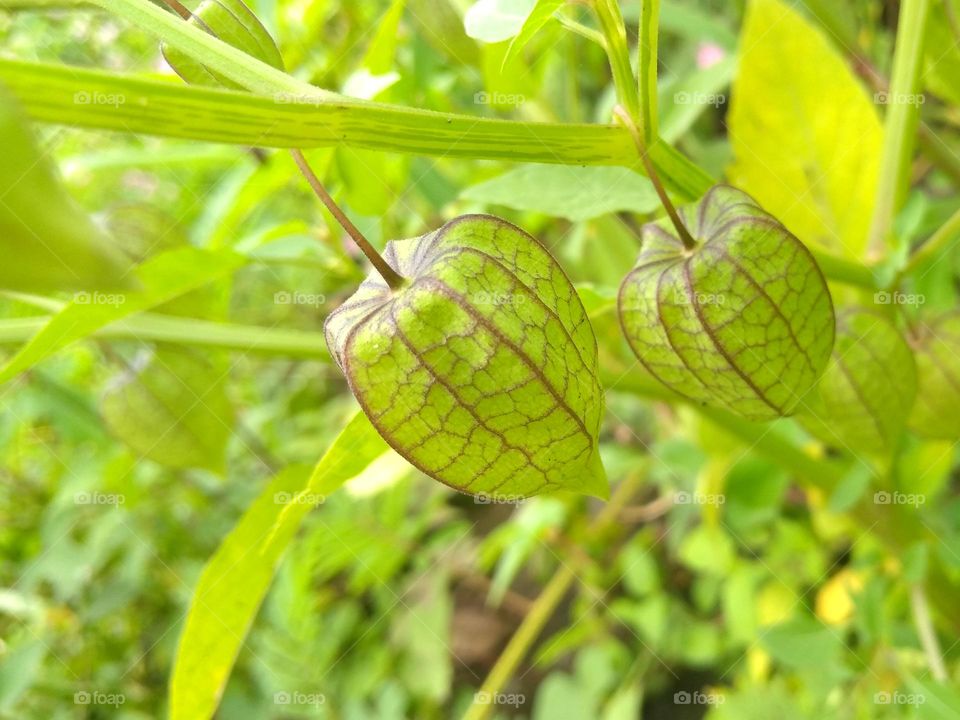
(741, 570)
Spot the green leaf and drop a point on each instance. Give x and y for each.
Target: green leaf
(864, 397)
(50, 242)
(744, 321)
(575, 193)
(942, 56)
(807, 141)
(172, 408)
(163, 277)
(379, 58)
(481, 370)
(708, 549)
(235, 580)
(492, 21)
(803, 643)
(936, 347)
(538, 17)
(234, 23)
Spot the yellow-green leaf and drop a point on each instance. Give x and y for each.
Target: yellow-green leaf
(235, 580)
(805, 133)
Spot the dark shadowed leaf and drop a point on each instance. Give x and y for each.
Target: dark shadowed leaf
(172, 407)
(49, 242)
(864, 397)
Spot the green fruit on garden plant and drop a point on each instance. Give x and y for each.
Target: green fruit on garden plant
(862, 401)
(936, 349)
(480, 368)
(737, 315)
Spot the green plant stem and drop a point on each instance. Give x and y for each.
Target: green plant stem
(928, 636)
(647, 66)
(389, 275)
(615, 33)
(529, 630)
(935, 246)
(49, 93)
(150, 327)
(688, 242)
(581, 30)
(903, 114)
(542, 610)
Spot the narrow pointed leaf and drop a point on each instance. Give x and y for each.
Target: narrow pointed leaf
(538, 17)
(163, 277)
(744, 321)
(235, 580)
(482, 370)
(50, 243)
(235, 24)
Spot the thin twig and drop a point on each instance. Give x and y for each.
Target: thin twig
(390, 276)
(541, 611)
(928, 636)
(624, 117)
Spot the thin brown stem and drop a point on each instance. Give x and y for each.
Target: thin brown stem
(624, 117)
(390, 276)
(179, 8)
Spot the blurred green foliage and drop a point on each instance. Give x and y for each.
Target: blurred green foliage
(725, 589)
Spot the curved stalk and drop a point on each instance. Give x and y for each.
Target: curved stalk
(937, 244)
(389, 275)
(688, 242)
